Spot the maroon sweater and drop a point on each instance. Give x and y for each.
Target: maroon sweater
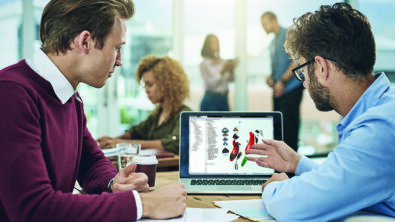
(45, 147)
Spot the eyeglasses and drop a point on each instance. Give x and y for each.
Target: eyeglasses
(298, 71)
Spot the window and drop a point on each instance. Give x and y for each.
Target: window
(201, 18)
(382, 19)
(218, 17)
(149, 32)
(10, 20)
(152, 31)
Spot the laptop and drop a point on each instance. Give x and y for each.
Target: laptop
(212, 150)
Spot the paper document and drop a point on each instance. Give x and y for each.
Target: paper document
(251, 209)
(110, 152)
(201, 214)
(113, 152)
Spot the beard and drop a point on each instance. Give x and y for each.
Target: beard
(319, 93)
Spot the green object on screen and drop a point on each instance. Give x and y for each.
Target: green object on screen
(244, 161)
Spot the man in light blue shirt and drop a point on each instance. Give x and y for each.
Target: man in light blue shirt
(336, 51)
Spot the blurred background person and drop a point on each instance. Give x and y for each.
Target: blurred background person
(216, 73)
(166, 85)
(287, 90)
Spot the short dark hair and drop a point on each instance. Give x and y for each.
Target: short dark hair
(269, 15)
(206, 51)
(338, 32)
(62, 20)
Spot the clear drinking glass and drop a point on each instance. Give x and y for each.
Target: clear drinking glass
(126, 152)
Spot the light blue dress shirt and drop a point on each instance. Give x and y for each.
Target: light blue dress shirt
(359, 174)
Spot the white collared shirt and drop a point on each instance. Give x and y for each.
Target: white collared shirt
(43, 66)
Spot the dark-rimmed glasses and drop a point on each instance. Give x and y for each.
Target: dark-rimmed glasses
(298, 71)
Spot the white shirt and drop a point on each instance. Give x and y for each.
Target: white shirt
(214, 81)
(44, 67)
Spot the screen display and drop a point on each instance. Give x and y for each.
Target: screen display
(217, 145)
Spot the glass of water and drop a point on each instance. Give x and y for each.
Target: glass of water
(126, 152)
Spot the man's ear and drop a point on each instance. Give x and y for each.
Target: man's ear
(323, 67)
(83, 42)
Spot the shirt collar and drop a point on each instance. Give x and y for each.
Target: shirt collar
(368, 99)
(44, 67)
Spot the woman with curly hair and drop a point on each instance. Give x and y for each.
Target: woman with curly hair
(167, 85)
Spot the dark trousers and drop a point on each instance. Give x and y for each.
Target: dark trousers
(289, 106)
(214, 102)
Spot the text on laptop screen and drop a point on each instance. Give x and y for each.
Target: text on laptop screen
(217, 145)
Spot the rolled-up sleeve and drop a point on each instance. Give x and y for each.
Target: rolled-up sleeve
(305, 164)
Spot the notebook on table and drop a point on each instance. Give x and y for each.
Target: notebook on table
(212, 150)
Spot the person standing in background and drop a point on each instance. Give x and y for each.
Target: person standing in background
(216, 73)
(287, 90)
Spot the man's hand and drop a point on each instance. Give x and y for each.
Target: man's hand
(278, 89)
(167, 202)
(126, 179)
(279, 156)
(107, 142)
(270, 81)
(275, 177)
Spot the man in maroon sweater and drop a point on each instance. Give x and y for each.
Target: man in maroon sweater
(44, 142)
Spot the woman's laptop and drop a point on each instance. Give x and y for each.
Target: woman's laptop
(212, 150)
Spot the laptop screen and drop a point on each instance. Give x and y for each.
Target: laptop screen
(214, 143)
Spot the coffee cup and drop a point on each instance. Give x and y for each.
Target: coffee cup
(147, 165)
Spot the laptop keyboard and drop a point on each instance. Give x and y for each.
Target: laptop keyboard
(226, 182)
